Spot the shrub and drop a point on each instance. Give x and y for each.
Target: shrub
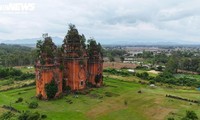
(19, 100)
(190, 115)
(143, 75)
(43, 116)
(6, 116)
(25, 76)
(51, 89)
(33, 105)
(27, 115)
(98, 78)
(151, 82)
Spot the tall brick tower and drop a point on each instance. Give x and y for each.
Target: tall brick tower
(47, 69)
(95, 63)
(74, 60)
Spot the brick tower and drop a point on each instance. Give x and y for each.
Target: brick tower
(95, 63)
(74, 60)
(47, 68)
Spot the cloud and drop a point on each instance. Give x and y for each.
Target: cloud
(107, 21)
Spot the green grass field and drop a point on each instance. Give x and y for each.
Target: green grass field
(151, 104)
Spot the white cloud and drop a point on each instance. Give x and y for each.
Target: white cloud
(107, 21)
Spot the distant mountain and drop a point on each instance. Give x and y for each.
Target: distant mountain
(31, 41)
(58, 41)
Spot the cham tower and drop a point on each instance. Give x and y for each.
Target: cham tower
(95, 63)
(75, 65)
(74, 59)
(47, 70)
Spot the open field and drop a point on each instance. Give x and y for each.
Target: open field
(118, 100)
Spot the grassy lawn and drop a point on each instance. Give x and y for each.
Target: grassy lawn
(151, 104)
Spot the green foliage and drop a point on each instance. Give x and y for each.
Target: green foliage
(25, 76)
(46, 49)
(19, 100)
(98, 78)
(51, 89)
(151, 82)
(122, 58)
(111, 59)
(9, 72)
(83, 40)
(172, 65)
(112, 53)
(143, 75)
(33, 105)
(72, 34)
(43, 116)
(16, 55)
(160, 68)
(117, 72)
(6, 116)
(190, 115)
(93, 47)
(169, 78)
(27, 115)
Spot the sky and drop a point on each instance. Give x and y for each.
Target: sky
(108, 21)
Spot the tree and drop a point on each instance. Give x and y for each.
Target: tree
(111, 59)
(83, 40)
(122, 58)
(172, 65)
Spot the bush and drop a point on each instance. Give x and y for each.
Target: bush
(151, 82)
(117, 72)
(6, 116)
(9, 72)
(51, 89)
(43, 116)
(19, 100)
(143, 75)
(98, 78)
(33, 105)
(190, 115)
(27, 115)
(25, 76)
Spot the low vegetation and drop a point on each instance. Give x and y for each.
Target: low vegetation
(118, 99)
(16, 74)
(16, 55)
(51, 89)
